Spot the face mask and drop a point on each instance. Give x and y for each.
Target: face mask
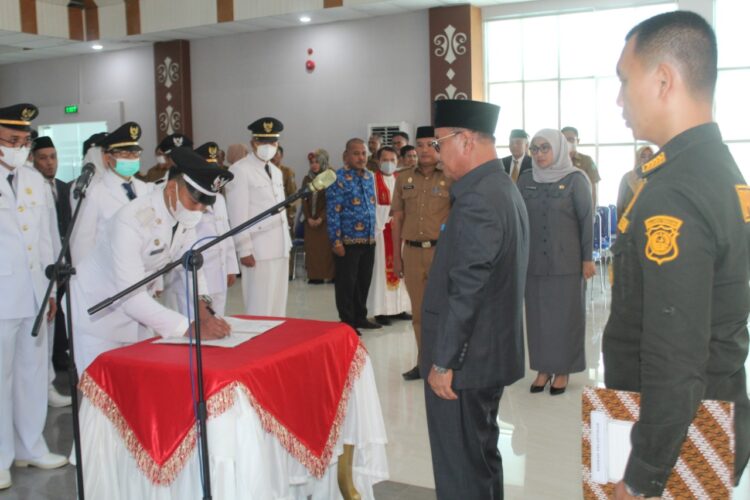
(161, 160)
(126, 167)
(187, 218)
(388, 167)
(266, 151)
(14, 157)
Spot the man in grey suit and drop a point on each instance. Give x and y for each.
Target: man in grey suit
(472, 338)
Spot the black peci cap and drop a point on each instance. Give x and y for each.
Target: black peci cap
(425, 132)
(41, 143)
(473, 115)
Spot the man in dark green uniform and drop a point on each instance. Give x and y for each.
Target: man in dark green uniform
(677, 332)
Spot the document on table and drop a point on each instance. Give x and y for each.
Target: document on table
(242, 331)
(610, 447)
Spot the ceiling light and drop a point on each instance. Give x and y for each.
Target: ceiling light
(97, 46)
(305, 19)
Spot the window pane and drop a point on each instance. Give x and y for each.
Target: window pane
(504, 50)
(741, 153)
(540, 110)
(732, 33)
(539, 47)
(509, 97)
(577, 53)
(611, 125)
(614, 162)
(578, 109)
(732, 105)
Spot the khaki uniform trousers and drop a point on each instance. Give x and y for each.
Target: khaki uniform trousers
(417, 262)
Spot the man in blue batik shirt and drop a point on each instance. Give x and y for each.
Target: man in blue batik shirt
(351, 229)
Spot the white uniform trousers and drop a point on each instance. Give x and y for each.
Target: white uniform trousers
(265, 287)
(176, 301)
(23, 390)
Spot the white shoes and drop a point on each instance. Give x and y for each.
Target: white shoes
(48, 461)
(5, 481)
(57, 400)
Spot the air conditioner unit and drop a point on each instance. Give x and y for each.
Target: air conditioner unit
(386, 131)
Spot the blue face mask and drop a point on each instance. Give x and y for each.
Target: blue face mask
(126, 167)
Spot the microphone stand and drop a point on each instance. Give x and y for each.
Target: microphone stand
(60, 272)
(193, 260)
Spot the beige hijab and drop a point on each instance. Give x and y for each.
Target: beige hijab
(561, 165)
(236, 152)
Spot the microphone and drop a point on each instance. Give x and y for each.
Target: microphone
(323, 180)
(82, 183)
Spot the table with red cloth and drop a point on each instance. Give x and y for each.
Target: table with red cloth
(281, 406)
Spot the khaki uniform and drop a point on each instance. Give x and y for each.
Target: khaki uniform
(290, 187)
(586, 163)
(372, 163)
(425, 203)
(154, 174)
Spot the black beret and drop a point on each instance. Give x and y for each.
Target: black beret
(425, 132)
(267, 128)
(18, 116)
(203, 179)
(42, 142)
(174, 141)
(94, 140)
(125, 137)
(518, 133)
(209, 151)
(473, 115)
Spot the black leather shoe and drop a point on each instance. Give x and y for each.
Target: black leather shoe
(556, 391)
(315, 282)
(403, 316)
(383, 320)
(539, 388)
(412, 374)
(368, 325)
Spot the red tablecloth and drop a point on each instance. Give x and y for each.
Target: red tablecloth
(297, 376)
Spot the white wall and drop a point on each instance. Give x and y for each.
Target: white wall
(374, 70)
(94, 82)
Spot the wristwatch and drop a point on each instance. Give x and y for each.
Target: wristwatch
(632, 492)
(440, 369)
(207, 299)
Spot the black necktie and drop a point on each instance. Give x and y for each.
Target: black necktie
(129, 190)
(268, 171)
(54, 189)
(10, 181)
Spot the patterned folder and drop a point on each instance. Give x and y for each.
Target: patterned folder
(705, 467)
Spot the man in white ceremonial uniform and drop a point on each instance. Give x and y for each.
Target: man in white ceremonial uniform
(264, 248)
(116, 188)
(27, 230)
(142, 238)
(387, 297)
(219, 262)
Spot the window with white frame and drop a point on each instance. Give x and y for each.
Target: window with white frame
(551, 71)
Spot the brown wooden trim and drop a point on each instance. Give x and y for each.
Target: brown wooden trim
(91, 15)
(28, 16)
(75, 24)
(224, 11)
(133, 17)
(477, 55)
(327, 4)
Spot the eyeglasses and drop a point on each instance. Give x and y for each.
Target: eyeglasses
(544, 149)
(435, 143)
(17, 142)
(129, 155)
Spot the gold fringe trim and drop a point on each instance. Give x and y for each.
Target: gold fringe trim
(216, 405)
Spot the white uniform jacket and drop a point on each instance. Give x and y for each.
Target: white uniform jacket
(138, 242)
(218, 261)
(250, 193)
(28, 228)
(103, 199)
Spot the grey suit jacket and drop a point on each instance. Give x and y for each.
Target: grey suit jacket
(471, 319)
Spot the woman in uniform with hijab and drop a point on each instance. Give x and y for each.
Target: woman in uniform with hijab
(558, 201)
(318, 255)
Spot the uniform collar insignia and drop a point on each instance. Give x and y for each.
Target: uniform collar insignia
(654, 163)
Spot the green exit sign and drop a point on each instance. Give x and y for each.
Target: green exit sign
(72, 109)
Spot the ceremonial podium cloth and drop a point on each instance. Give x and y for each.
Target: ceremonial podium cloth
(298, 378)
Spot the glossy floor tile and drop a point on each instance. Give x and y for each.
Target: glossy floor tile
(540, 434)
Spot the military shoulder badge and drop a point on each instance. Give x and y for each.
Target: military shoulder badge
(743, 193)
(662, 232)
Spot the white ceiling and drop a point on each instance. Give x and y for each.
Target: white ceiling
(18, 47)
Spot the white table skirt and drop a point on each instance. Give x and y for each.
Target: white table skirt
(245, 461)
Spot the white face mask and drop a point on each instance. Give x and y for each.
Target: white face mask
(161, 160)
(187, 218)
(14, 157)
(388, 167)
(266, 151)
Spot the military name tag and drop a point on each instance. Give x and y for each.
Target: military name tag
(157, 251)
(408, 186)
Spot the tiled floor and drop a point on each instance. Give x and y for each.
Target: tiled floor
(540, 435)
